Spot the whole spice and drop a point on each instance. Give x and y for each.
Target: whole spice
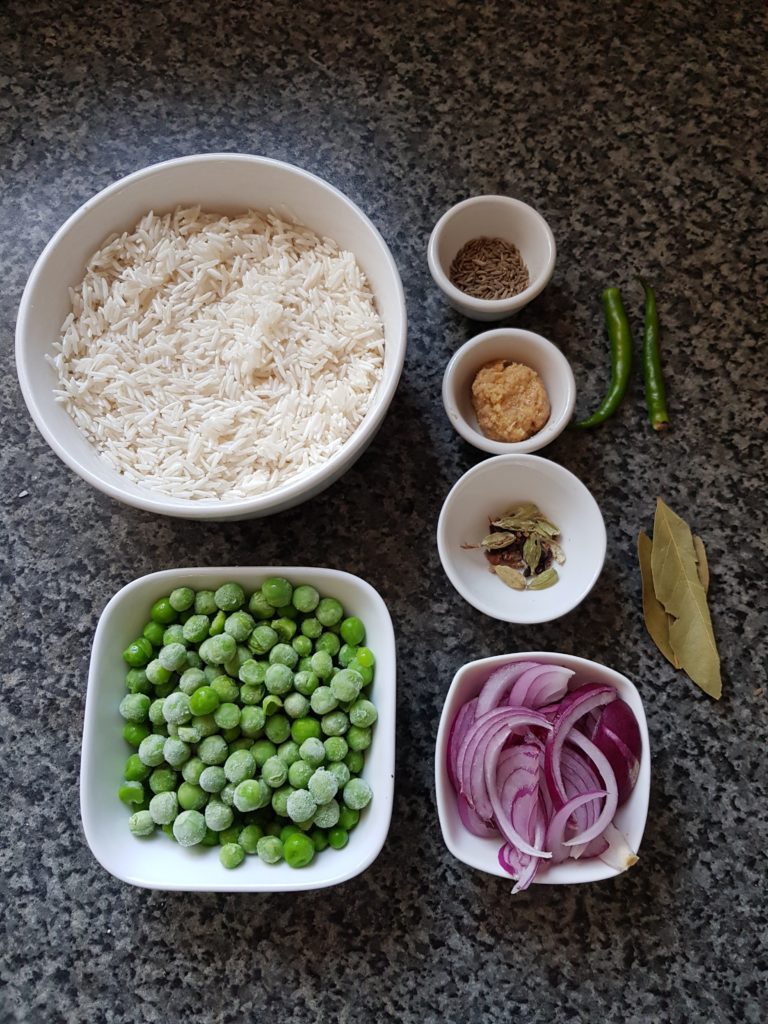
(655, 396)
(675, 580)
(621, 358)
(489, 268)
(521, 548)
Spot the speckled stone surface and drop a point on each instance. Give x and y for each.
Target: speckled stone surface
(636, 130)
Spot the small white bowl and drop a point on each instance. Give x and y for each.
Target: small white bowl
(158, 862)
(483, 853)
(225, 183)
(485, 492)
(520, 347)
(492, 217)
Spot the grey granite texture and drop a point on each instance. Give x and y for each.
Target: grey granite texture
(638, 131)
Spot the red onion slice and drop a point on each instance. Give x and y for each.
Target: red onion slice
(556, 830)
(539, 686)
(497, 685)
(617, 734)
(459, 729)
(609, 782)
(573, 707)
(502, 816)
(473, 823)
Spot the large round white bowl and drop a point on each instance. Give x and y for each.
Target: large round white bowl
(223, 182)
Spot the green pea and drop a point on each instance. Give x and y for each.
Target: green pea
(173, 657)
(319, 839)
(241, 743)
(229, 835)
(363, 713)
(304, 728)
(259, 606)
(176, 752)
(305, 665)
(212, 750)
(357, 794)
(205, 603)
(181, 599)
(192, 770)
(227, 689)
(278, 679)
(217, 649)
(251, 695)
(163, 612)
(357, 738)
(134, 707)
(352, 631)
(196, 628)
(355, 760)
(323, 700)
(239, 766)
(194, 660)
(340, 772)
(249, 795)
(164, 807)
(229, 597)
(296, 705)
(262, 750)
(252, 721)
(336, 748)
(302, 645)
(298, 850)
(270, 849)
(329, 611)
(271, 704)
(134, 733)
(204, 701)
(217, 815)
(157, 673)
(191, 797)
(277, 590)
(217, 624)
(305, 598)
(305, 683)
(151, 750)
(164, 689)
(141, 824)
(176, 708)
(231, 855)
(252, 673)
(131, 792)
(135, 770)
(153, 631)
(328, 642)
(364, 670)
(328, 815)
(280, 800)
(283, 654)
(285, 629)
(262, 639)
(274, 772)
(346, 685)
(312, 751)
(239, 625)
(299, 774)
(288, 752)
(213, 779)
(348, 818)
(205, 725)
(227, 795)
(138, 653)
(312, 628)
(347, 653)
(174, 635)
(249, 838)
(227, 716)
(156, 715)
(322, 664)
(163, 780)
(338, 838)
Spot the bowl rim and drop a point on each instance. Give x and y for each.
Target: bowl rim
(385, 788)
(551, 429)
(490, 306)
(447, 560)
(444, 791)
(168, 504)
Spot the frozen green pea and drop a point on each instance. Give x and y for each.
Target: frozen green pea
(176, 752)
(327, 815)
(163, 689)
(171, 729)
(329, 611)
(131, 792)
(322, 664)
(301, 805)
(162, 611)
(229, 597)
(305, 665)
(262, 639)
(213, 750)
(135, 732)
(217, 649)
(355, 761)
(216, 627)
(357, 794)
(348, 818)
(363, 713)
(162, 780)
(252, 672)
(346, 655)
(213, 779)
(189, 734)
(173, 657)
(322, 786)
(192, 770)
(195, 629)
(278, 679)
(154, 631)
(231, 855)
(277, 590)
(191, 679)
(278, 728)
(164, 807)
(181, 599)
(328, 642)
(135, 770)
(194, 660)
(296, 705)
(311, 628)
(280, 800)
(336, 748)
(157, 674)
(205, 602)
(322, 700)
(249, 838)
(191, 797)
(141, 824)
(136, 681)
(274, 772)
(312, 751)
(357, 738)
(335, 724)
(251, 695)
(340, 772)
(176, 708)
(240, 766)
(352, 631)
(262, 750)
(138, 653)
(189, 828)
(151, 750)
(217, 815)
(227, 716)
(285, 628)
(239, 625)
(226, 689)
(365, 657)
(299, 774)
(319, 840)
(229, 835)
(305, 598)
(174, 635)
(249, 795)
(346, 685)
(270, 849)
(288, 752)
(305, 683)
(134, 707)
(302, 645)
(252, 721)
(259, 606)
(227, 794)
(283, 654)
(205, 725)
(203, 701)
(241, 743)
(304, 728)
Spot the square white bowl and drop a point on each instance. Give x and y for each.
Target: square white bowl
(158, 862)
(482, 853)
(487, 490)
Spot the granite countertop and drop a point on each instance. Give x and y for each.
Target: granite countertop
(636, 130)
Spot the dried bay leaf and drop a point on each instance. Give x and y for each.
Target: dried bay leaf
(511, 577)
(677, 586)
(657, 622)
(702, 566)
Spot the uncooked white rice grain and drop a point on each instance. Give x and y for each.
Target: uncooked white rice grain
(210, 357)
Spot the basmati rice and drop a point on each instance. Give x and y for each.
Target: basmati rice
(210, 357)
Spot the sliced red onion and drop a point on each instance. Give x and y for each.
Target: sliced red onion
(617, 734)
(539, 686)
(502, 816)
(497, 685)
(609, 782)
(461, 724)
(531, 869)
(594, 849)
(556, 829)
(473, 823)
(572, 708)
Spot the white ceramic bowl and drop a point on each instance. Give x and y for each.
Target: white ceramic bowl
(487, 491)
(493, 217)
(519, 347)
(226, 183)
(483, 853)
(159, 863)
